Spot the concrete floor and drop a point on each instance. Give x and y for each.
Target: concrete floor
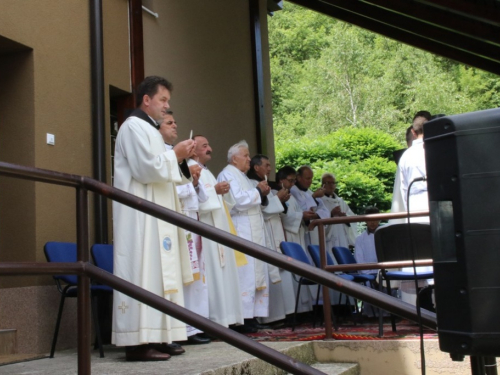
(198, 359)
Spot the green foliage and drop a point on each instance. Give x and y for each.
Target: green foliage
(327, 75)
(343, 98)
(361, 159)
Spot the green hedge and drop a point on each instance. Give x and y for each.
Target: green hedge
(361, 159)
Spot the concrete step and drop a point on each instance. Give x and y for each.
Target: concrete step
(217, 358)
(338, 368)
(8, 342)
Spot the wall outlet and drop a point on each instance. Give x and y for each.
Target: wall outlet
(51, 139)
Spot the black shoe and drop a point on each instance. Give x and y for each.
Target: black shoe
(253, 323)
(196, 340)
(172, 349)
(244, 329)
(206, 336)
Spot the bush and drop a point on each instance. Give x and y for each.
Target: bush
(361, 160)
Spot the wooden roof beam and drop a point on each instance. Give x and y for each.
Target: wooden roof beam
(412, 25)
(443, 18)
(402, 36)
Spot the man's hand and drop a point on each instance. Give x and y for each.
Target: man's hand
(309, 215)
(195, 171)
(319, 193)
(283, 195)
(337, 212)
(222, 187)
(184, 150)
(264, 187)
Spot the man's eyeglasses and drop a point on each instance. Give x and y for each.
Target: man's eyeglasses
(291, 180)
(171, 122)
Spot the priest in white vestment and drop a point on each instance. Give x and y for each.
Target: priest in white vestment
(249, 224)
(281, 292)
(343, 235)
(397, 204)
(411, 167)
(148, 252)
(312, 208)
(291, 218)
(224, 297)
(190, 195)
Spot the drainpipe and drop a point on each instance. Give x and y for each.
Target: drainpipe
(99, 128)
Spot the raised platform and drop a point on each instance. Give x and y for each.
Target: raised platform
(395, 357)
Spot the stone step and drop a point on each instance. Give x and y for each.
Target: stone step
(338, 368)
(8, 342)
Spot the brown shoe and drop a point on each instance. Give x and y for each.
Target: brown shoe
(172, 349)
(144, 353)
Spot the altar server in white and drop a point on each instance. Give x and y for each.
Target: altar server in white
(221, 266)
(312, 207)
(148, 252)
(249, 224)
(281, 293)
(291, 219)
(343, 235)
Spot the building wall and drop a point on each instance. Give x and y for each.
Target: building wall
(204, 49)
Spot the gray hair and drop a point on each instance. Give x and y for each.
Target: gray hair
(325, 175)
(235, 149)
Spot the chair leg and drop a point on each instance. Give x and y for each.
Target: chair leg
(393, 318)
(58, 322)
(380, 314)
(373, 309)
(296, 306)
(96, 325)
(316, 308)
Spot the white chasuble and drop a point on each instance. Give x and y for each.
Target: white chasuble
(148, 252)
(281, 295)
(249, 224)
(196, 293)
(412, 166)
(339, 234)
(223, 284)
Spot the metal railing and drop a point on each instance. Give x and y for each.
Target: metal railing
(84, 270)
(320, 224)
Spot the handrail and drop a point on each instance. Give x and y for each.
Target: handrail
(82, 184)
(320, 223)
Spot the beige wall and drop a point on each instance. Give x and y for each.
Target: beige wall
(204, 48)
(57, 31)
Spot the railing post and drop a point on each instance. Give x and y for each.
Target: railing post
(82, 243)
(327, 306)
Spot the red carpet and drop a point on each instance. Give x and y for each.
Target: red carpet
(347, 331)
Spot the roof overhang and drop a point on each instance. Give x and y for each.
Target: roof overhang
(467, 31)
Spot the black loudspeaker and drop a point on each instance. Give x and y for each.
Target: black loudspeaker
(462, 155)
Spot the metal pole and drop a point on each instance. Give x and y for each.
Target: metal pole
(227, 335)
(82, 244)
(327, 307)
(490, 365)
(99, 125)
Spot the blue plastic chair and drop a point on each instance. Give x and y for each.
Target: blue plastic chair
(344, 256)
(103, 256)
(315, 255)
(65, 252)
(393, 244)
(295, 251)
